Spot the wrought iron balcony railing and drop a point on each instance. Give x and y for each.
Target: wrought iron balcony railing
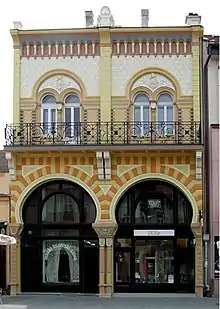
(102, 133)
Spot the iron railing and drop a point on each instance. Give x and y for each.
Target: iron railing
(102, 133)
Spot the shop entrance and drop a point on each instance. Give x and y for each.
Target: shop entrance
(154, 244)
(59, 248)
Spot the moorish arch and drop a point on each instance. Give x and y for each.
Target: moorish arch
(25, 193)
(152, 79)
(156, 176)
(59, 80)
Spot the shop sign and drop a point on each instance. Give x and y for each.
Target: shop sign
(154, 233)
(217, 254)
(60, 246)
(154, 203)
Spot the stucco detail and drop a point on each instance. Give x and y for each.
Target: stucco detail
(153, 82)
(87, 69)
(59, 83)
(183, 168)
(28, 169)
(121, 169)
(123, 69)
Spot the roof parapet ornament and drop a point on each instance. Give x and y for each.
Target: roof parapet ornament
(105, 19)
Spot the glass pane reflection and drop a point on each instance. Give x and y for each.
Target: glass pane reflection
(154, 261)
(122, 267)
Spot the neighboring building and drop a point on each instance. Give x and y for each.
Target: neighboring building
(212, 164)
(105, 155)
(4, 213)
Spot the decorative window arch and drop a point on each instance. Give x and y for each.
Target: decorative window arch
(48, 112)
(72, 115)
(141, 113)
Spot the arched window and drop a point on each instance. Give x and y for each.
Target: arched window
(72, 115)
(141, 114)
(165, 114)
(153, 202)
(60, 208)
(49, 113)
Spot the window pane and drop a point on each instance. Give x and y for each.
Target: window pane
(165, 98)
(76, 114)
(60, 208)
(169, 113)
(49, 99)
(137, 113)
(45, 115)
(124, 213)
(160, 113)
(154, 261)
(145, 113)
(53, 115)
(68, 126)
(141, 97)
(67, 114)
(72, 98)
(60, 261)
(89, 209)
(154, 211)
(122, 267)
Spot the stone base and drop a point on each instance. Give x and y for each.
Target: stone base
(199, 291)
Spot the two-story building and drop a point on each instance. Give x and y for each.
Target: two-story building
(105, 157)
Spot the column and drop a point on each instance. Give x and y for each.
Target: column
(102, 265)
(197, 230)
(109, 266)
(14, 258)
(106, 231)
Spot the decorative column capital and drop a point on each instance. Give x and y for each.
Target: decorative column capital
(102, 242)
(197, 230)
(105, 229)
(15, 229)
(109, 242)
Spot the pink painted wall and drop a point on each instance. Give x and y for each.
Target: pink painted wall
(214, 197)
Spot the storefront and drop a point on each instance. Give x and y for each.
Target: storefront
(154, 244)
(59, 247)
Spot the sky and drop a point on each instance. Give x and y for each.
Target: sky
(47, 14)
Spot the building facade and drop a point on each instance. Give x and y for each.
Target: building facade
(105, 156)
(212, 165)
(4, 215)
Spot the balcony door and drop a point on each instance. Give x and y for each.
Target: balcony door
(72, 117)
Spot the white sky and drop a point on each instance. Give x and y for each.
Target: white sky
(45, 14)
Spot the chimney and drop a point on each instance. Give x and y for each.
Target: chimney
(17, 25)
(89, 19)
(193, 19)
(144, 17)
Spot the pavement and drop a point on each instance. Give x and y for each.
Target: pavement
(68, 301)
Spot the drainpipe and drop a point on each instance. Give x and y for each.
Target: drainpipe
(206, 208)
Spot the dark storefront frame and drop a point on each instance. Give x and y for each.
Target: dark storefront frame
(128, 223)
(59, 230)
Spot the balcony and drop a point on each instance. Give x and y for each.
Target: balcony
(130, 135)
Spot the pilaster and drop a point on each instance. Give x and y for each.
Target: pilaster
(14, 229)
(17, 67)
(197, 230)
(105, 74)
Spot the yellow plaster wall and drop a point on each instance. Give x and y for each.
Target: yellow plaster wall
(82, 169)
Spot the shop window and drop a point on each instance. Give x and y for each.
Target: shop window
(154, 261)
(60, 261)
(122, 267)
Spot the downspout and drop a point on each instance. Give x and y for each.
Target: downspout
(206, 207)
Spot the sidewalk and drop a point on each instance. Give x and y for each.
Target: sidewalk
(68, 301)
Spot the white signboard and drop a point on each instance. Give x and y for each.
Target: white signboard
(154, 232)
